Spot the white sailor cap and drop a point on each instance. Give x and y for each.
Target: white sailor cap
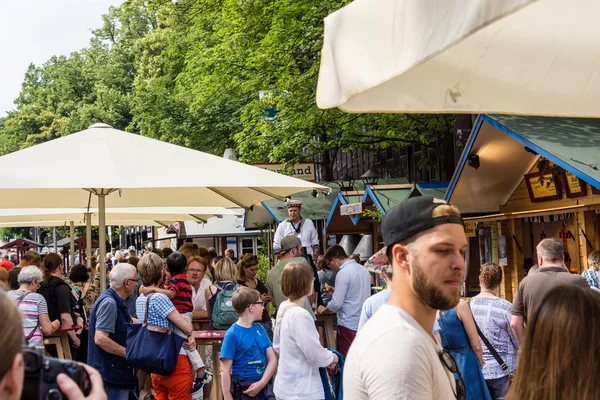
(294, 203)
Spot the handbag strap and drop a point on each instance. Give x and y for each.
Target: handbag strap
(491, 348)
(32, 332)
(147, 305)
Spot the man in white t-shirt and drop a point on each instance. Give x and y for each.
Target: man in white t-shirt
(395, 356)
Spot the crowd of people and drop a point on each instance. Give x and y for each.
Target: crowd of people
(415, 339)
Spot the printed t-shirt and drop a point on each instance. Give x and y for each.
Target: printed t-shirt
(247, 348)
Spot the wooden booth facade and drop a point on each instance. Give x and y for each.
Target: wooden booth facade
(523, 179)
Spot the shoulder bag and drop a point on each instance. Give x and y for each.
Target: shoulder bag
(491, 348)
(28, 337)
(151, 348)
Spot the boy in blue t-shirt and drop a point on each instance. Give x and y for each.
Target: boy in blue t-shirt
(247, 357)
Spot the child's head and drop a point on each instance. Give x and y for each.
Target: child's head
(248, 299)
(176, 263)
(297, 280)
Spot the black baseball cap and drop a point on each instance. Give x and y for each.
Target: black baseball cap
(404, 220)
(412, 216)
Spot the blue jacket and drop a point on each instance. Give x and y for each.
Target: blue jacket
(114, 369)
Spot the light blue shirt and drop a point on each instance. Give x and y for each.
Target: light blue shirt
(352, 288)
(372, 304)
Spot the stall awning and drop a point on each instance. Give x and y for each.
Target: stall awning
(528, 214)
(508, 146)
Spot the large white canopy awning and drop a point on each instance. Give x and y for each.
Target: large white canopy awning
(138, 171)
(105, 167)
(526, 57)
(114, 216)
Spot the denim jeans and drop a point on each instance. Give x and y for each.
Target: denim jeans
(117, 393)
(498, 387)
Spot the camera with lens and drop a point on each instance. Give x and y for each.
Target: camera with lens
(41, 372)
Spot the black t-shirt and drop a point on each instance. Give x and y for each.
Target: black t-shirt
(58, 296)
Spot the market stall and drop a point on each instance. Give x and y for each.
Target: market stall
(522, 179)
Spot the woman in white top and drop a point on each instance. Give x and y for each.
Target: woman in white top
(297, 341)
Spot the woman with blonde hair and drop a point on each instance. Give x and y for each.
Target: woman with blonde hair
(247, 270)
(591, 274)
(553, 365)
(297, 341)
(220, 311)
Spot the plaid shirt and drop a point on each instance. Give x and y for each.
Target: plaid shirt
(160, 306)
(591, 276)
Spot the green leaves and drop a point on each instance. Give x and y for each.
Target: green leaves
(208, 74)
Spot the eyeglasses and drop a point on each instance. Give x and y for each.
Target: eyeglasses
(129, 280)
(449, 363)
(261, 303)
(196, 271)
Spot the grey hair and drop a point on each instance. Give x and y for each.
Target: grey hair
(594, 260)
(30, 274)
(119, 273)
(551, 250)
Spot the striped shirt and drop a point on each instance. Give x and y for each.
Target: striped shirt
(180, 285)
(32, 307)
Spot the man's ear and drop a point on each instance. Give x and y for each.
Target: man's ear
(400, 255)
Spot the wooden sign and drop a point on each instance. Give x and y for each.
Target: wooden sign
(351, 209)
(541, 191)
(470, 229)
(304, 171)
(574, 187)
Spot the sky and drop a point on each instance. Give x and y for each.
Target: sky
(31, 31)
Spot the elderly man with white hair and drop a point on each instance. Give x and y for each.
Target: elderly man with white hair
(108, 333)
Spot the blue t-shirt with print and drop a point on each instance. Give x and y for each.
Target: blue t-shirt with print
(247, 347)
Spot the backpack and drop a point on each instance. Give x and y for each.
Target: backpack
(223, 314)
(49, 291)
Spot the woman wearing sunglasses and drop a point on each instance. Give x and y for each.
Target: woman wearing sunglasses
(297, 341)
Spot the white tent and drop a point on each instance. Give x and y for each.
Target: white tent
(533, 57)
(104, 167)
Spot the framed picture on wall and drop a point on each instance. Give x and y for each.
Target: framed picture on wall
(574, 187)
(544, 189)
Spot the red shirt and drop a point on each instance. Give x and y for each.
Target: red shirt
(7, 265)
(183, 293)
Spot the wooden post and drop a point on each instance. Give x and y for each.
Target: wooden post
(580, 243)
(518, 258)
(503, 291)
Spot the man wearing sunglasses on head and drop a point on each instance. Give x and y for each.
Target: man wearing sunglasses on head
(395, 355)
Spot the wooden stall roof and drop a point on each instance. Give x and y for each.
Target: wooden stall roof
(508, 147)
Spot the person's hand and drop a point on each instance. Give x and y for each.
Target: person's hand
(70, 389)
(321, 309)
(149, 290)
(56, 324)
(190, 343)
(331, 367)
(254, 389)
(328, 289)
(482, 362)
(266, 297)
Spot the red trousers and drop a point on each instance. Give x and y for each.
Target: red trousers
(345, 337)
(178, 385)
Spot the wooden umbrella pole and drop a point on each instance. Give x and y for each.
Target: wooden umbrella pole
(88, 240)
(102, 239)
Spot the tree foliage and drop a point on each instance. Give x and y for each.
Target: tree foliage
(208, 74)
